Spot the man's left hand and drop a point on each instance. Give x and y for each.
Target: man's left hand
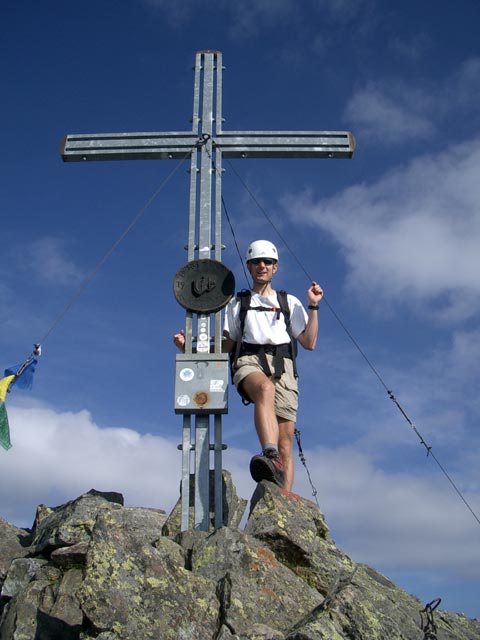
(314, 293)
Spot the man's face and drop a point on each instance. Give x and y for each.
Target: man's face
(262, 269)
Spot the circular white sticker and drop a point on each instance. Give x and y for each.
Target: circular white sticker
(203, 347)
(187, 374)
(182, 401)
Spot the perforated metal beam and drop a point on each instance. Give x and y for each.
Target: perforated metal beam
(127, 146)
(285, 144)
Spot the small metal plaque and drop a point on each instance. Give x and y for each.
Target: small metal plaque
(203, 286)
(201, 383)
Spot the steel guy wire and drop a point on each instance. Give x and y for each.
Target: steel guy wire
(88, 279)
(242, 262)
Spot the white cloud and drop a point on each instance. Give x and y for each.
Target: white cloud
(56, 457)
(249, 14)
(177, 13)
(410, 239)
(387, 116)
(44, 260)
(463, 88)
(248, 17)
(396, 521)
(389, 111)
(412, 48)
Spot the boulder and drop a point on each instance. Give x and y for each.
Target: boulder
(233, 506)
(98, 569)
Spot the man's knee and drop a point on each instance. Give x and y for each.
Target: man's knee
(259, 388)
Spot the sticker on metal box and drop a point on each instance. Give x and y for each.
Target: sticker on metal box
(216, 385)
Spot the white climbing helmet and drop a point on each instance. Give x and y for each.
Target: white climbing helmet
(261, 249)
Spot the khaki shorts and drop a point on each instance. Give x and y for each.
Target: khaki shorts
(286, 388)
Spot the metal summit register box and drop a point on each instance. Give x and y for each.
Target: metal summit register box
(201, 383)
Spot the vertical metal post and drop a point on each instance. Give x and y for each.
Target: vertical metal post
(218, 477)
(202, 472)
(218, 446)
(203, 225)
(185, 490)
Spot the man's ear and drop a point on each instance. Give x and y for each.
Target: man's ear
(275, 267)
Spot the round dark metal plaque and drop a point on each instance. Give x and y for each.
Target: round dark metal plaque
(203, 286)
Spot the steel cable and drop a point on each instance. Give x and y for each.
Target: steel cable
(88, 279)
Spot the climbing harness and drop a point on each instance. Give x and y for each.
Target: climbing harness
(428, 625)
(280, 351)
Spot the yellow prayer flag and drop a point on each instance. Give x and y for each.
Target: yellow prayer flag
(4, 384)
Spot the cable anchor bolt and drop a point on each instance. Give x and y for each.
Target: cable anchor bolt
(203, 139)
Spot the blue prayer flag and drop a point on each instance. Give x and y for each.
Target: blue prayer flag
(25, 378)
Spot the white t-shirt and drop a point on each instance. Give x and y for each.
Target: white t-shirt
(265, 327)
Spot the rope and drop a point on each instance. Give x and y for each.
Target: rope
(242, 262)
(203, 141)
(429, 627)
(357, 346)
(304, 462)
(37, 351)
(88, 279)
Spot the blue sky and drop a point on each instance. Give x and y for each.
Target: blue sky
(392, 235)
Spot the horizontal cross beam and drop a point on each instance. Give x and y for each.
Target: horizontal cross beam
(232, 144)
(127, 146)
(285, 144)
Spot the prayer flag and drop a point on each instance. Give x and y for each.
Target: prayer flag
(4, 384)
(4, 428)
(25, 379)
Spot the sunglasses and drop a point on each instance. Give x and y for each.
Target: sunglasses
(266, 261)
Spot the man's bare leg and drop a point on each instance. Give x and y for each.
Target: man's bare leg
(261, 392)
(286, 430)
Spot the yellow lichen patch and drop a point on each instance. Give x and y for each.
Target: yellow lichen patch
(155, 583)
(206, 557)
(202, 604)
(128, 565)
(281, 520)
(117, 627)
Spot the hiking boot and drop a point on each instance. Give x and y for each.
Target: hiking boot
(268, 466)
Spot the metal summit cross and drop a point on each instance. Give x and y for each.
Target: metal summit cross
(206, 144)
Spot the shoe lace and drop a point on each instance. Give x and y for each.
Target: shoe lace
(271, 454)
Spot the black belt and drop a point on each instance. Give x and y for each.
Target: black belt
(279, 352)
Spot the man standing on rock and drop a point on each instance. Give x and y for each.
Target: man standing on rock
(261, 329)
